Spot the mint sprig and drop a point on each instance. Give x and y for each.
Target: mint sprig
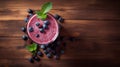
(32, 48)
(42, 14)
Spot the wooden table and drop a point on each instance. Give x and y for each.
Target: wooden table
(95, 24)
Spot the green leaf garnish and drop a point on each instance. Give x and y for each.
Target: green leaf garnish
(32, 47)
(46, 7)
(42, 14)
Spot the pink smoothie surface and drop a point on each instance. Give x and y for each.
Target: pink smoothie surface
(50, 34)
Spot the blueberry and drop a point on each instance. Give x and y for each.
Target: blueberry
(31, 29)
(53, 47)
(37, 35)
(53, 52)
(48, 49)
(58, 43)
(31, 60)
(30, 14)
(45, 26)
(40, 54)
(57, 57)
(56, 16)
(71, 38)
(49, 55)
(46, 52)
(30, 11)
(26, 19)
(47, 45)
(43, 47)
(37, 58)
(41, 30)
(37, 23)
(40, 26)
(46, 22)
(25, 37)
(62, 51)
(61, 20)
(23, 29)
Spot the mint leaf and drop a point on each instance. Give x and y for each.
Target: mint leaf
(31, 47)
(42, 14)
(46, 7)
(34, 46)
(38, 13)
(43, 17)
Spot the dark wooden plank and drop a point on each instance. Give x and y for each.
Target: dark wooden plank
(59, 63)
(61, 4)
(83, 14)
(88, 28)
(79, 49)
(78, 10)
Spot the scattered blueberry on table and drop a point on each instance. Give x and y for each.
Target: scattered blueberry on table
(49, 55)
(43, 47)
(61, 20)
(40, 53)
(56, 57)
(23, 29)
(25, 37)
(46, 52)
(26, 20)
(30, 11)
(31, 60)
(56, 16)
(37, 58)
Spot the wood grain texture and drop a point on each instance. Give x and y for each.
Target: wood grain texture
(95, 25)
(72, 14)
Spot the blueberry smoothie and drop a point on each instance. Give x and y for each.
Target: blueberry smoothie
(42, 31)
